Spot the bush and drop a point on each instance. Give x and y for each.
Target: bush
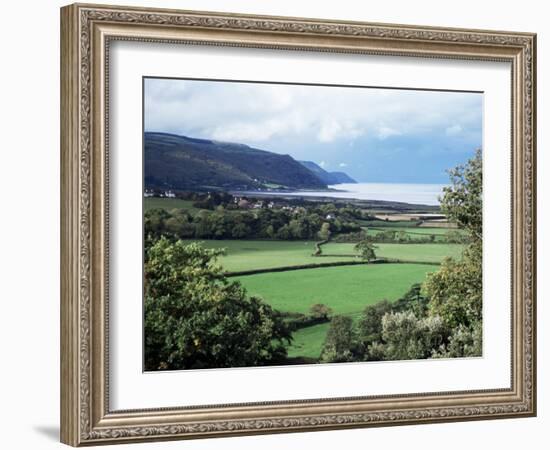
(463, 342)
(407, 337)
(320, 311)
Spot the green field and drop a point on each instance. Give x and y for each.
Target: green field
(346, 289)
(308, 342)
(433, 253)
(250, 255)
(166, 203)
(297, 290)
(388, 223)
(415, 232)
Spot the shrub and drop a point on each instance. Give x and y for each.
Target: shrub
(463, 342)
(320, 311)
(407, 337)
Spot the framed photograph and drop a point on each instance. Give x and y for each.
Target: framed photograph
(276, 224)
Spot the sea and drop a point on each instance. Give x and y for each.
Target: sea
(420, 194)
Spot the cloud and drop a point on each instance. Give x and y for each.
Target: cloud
(386, 132)
(291, 118)
(323, 164)
(342, 165)
(453, 130)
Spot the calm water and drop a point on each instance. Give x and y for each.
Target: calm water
(425, 194)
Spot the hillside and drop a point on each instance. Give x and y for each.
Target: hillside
(327, 177)
(180, 162)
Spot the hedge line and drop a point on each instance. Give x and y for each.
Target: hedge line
(331, 264)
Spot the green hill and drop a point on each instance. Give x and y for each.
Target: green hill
(180, 162)
(327, 177)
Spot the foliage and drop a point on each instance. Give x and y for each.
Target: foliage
(408, 337)
(463, 342)
(462, 201)
(413, 300)
(340, 341)
(218, 219)
(455, 290)
(365, 248)
(320, 311)
(195, 318)
(296, 321)
(324, 232)
(370, 324)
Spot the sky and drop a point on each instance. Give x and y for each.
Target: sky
(372, 134)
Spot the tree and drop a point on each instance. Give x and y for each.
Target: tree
(324, 232)
(455, 290)
(365, 248)
(195, 318)
(240, 230)
(320, 311)
(370, 324)
(407, 337)
(462, 200)
(463, 342)
(341, 342)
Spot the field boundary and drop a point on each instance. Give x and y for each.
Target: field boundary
(329, 264)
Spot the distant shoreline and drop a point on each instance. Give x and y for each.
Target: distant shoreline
(414, 195)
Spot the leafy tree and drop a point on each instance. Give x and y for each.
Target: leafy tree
(240, 230)
(195, 318)
(370, 324)
(407, 337)
(462, 200)
(413, 301)
(463, 342)
(341, 342)
(455, 290)
(365, 248)
(324, 233)
(320, 311)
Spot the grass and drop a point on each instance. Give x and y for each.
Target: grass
(347, 289)
(308, 342)
(296, 291)
(415, 232)
(388, 223)
(167, 204)
(434, 253)
(248, 255)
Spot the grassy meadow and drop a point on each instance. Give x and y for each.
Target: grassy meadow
(346, 289)
(244, 255)
(296, 290)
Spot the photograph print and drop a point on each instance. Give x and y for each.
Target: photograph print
(290, 224)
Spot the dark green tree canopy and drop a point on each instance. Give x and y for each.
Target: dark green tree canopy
(195, 318)
(462, 200)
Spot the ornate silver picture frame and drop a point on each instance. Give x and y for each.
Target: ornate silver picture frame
(87, 34)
